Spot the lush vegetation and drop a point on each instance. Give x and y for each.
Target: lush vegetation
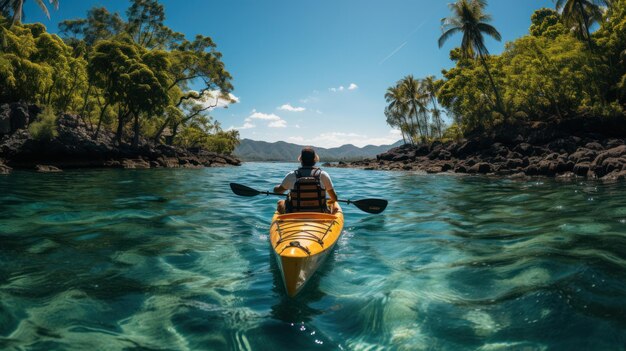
(560, 70)
(133, 75)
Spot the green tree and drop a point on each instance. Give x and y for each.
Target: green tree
(546, 76)
(611, 42)
(146, 25)
(581, 14)
(431, 87)
(415, 99)
(132, 78)
(468, 17)
(465, 93)
(547, 23)
(100, 24)
(397, 110)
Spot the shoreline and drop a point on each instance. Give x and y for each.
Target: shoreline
(531, 150)
(74, 147)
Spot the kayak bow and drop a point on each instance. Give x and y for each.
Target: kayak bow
(301, 242)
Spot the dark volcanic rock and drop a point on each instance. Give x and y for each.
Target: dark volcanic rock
(608, 161)
(76, 147)
(617, 175)
(135, 163)
(581, 169)
(47, 169)
(4, 169)
(481, 167)
(19, 116)
(468, 148)
(434, 169)
(515, 163)
(5, 119)
(583, 155)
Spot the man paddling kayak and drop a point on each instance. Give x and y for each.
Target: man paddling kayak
(308, 186)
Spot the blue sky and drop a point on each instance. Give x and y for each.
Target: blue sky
(315, 72)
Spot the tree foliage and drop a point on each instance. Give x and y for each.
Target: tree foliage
(408, 108)
(133, 75)
(559, 70)
(44, 128)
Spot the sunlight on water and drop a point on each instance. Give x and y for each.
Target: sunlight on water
(172, 260)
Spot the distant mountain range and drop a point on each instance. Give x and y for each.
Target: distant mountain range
(252, 150)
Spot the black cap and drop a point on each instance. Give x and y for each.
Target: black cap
(307, 156)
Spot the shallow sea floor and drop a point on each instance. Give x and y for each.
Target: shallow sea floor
(172, 260)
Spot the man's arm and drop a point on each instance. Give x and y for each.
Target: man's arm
(332, 194)
(279, 189)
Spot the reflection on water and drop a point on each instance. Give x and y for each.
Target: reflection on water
(170, 259)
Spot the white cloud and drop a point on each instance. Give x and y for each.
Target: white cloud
(263, 116)
(341, 88)
(215, 99)
(334, 90)
(288, 107)
(246, 125)
(278, 124)
(335, 139)
(273, 120)
(311, 98)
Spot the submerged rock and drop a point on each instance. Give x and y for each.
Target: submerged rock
(47, 169)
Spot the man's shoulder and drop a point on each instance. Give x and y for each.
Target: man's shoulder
(324, 173)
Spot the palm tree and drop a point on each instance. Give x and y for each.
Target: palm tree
(468, 17)
(397, 110)
(17, 7)
(431, 87)
(582, 14)
(414, 97)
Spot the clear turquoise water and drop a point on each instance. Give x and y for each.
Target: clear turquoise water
(171, 260)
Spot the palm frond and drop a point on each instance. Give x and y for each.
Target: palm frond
(490, 30)
(447, 34)
(43, 7)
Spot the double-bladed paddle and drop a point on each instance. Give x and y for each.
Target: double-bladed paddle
(374, 206)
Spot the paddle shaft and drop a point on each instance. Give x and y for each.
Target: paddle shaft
(368, 205)
(285, 195)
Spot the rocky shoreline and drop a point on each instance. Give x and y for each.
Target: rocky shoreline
(553, 149)
(74, 147)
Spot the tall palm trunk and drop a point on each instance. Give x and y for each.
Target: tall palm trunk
(585, 21)
(436, 114)
(417, 119)
(136, 126)
(499, 106)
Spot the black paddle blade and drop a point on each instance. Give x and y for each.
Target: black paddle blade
(243, 190)
(374, 206)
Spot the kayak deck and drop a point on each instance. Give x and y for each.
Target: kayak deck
(301, 242)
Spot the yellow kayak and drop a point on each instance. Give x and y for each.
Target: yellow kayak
(301, 242)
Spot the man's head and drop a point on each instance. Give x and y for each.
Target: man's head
(308, 157)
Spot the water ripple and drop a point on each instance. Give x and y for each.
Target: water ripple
(171, 260)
